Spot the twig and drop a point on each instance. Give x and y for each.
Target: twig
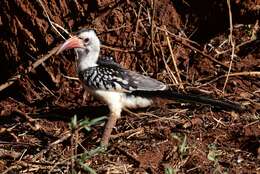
(153, 28)
(50, 21)
(152, 25)
(28, 69)
(250, 124)
(10, 153)
(173, 60)
(245, 73)
(70, 78)
(25, 115)
(232, 44)
(117, 28)
(117, 49)
(128, 133)
(237, 47)
(181, 41)
(64, 137)
(172, 76)
(137, 24)
(9, 82)
(140, 21)
(218, 121)
(14, 143)
(47, 89)
(179, 37)
(63, 29)
(257, 91)
(16, 167)
(252, 39)
(13, 79)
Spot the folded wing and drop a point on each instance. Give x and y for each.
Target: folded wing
(115, 78)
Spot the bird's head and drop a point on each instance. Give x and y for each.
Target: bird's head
(84, 42)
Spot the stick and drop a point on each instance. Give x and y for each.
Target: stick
(13, 79)
(50, 21)
(245, 73)
(182, 42)
(232, 44)
(179, 82)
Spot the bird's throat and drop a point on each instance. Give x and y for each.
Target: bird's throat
(87, 59)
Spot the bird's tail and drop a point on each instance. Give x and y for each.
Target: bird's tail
(191, 98)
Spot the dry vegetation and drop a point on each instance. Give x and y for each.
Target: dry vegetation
(48, 124)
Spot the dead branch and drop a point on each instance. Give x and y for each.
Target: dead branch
(232, 42)
(29, 69)
(174, 60)
(50, 21)
(245, 73)
(183, 42)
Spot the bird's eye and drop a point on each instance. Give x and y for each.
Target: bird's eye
(86, 40)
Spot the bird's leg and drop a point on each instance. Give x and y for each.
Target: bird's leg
(108, 129)
(111, 123)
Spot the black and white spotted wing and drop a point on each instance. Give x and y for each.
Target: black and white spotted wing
(111, 76)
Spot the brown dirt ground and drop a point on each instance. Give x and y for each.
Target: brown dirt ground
(37, 134)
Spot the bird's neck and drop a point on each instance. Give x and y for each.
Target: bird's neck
(87, 59)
